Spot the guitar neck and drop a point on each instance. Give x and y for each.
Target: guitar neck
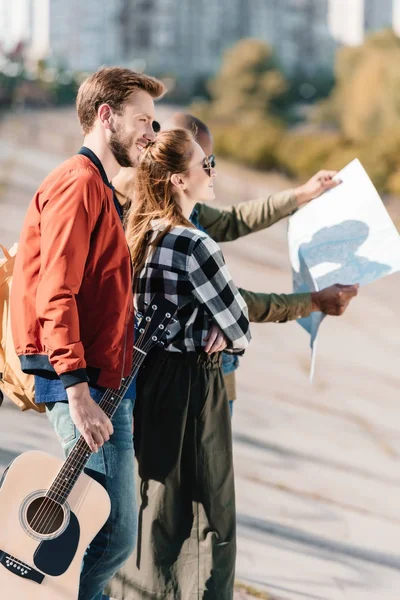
(80, 454)
(113, 398)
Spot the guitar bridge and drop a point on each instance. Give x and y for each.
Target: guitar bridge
(19, 568)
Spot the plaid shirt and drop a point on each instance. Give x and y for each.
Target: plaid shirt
(188, 268)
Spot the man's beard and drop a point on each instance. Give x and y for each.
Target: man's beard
(120, 146)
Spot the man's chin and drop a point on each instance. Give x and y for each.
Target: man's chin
(122, 158)
(134, 158)
(135, 161)
(124, 162)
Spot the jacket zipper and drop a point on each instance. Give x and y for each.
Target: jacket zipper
(130, 260)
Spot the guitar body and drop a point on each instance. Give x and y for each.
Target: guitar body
(42, 544)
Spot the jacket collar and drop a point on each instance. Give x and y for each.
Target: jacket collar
(96, 161)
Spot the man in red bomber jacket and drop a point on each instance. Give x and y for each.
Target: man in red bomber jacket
(71, 301)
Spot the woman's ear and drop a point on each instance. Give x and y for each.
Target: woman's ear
(178, 181)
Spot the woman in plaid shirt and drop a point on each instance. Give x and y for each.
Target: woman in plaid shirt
(186, 545)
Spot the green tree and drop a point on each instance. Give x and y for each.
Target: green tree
(366, 100)
(247, 83)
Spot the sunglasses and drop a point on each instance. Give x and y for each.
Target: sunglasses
(209, 163)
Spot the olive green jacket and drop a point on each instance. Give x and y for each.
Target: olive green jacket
(230, 223)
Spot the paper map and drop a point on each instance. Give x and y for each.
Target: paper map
(345, 236)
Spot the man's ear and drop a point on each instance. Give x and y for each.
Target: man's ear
(178, 181)
(105, 115)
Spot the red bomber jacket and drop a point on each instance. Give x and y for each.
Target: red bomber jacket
(71, 297)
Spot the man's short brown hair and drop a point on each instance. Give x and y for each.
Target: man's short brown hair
(113, 86)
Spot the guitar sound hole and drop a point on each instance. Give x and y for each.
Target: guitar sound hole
(45, 516)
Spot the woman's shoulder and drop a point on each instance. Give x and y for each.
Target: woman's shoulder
(186, 237)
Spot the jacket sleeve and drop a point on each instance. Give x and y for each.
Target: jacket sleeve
(213, 287)
(230, 223)
(276, 308)
(68, 217)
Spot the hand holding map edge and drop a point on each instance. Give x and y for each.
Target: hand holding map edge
(334, 299)
(318, 184)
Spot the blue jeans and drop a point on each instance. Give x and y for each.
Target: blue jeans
(113, 467)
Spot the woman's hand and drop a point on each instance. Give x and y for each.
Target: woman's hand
(216, 341)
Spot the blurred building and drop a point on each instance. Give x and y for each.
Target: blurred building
(346, 21)
(84, 35)
(30, 22)
(351, 20)
(135, 26)
(396, 16)
(15, 23)
(306, 45)
(298, 30)
(378, 14)
(266, 20)
(184, 38)
(149, 34)
(39, 28)
(187, 38)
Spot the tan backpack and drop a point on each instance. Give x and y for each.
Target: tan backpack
(14, 384)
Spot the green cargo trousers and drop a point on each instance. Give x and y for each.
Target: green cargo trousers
(186, 546)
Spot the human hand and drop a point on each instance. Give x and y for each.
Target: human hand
(216, 340)
(90, 420)
(335, 299)
(314, 187)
